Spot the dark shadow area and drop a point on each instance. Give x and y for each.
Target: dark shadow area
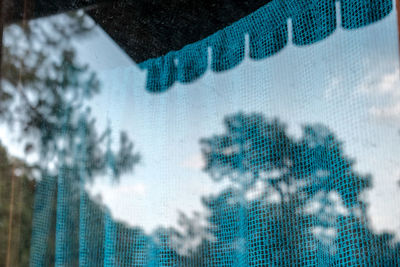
(147, 28)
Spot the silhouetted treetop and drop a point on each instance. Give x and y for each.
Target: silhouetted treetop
(254, 148)
(46, 93)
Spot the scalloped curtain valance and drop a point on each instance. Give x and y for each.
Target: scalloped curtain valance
(267, 28)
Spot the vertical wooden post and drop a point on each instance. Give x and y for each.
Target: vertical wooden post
(1, 36)
(10, 219)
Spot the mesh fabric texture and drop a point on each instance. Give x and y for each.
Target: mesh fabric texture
(76, 231)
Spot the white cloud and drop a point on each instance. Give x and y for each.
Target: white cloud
(386, 84)
(138, 189)
(195, 162)
(391, 113)
(390, 83)
(332, 88)
(384, 89)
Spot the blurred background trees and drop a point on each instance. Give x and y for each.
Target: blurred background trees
(45, 93)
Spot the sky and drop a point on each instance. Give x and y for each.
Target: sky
(349, 82)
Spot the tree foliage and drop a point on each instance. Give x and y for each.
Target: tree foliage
(45, 100)
(296, 174)
(46, 92)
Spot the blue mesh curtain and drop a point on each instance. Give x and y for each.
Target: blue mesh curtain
(262, 194)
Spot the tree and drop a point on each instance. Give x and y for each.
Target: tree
(45, 93)
(296, 174)
(360, 246)
(255, 149)
(45, 90)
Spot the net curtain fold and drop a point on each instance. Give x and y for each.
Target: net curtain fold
(82, 234)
